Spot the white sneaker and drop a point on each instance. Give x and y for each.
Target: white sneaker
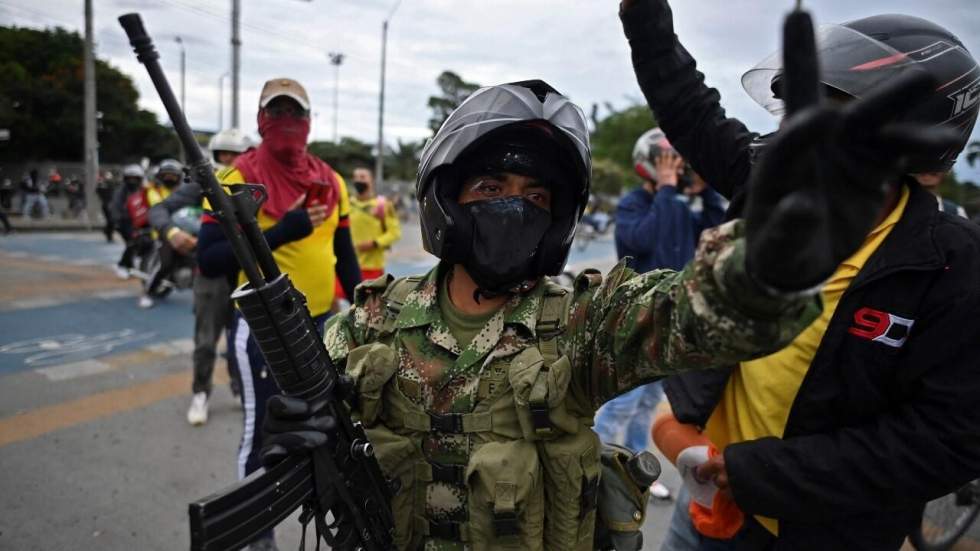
(121, 272)
(146, 302)
(197, 414)
(659, 491)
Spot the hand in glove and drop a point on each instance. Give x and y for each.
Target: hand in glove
(291, 427)
(820, 183)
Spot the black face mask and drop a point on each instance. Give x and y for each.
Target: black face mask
(506, 234)
(132, 184)
(361, 187)
(170, 184)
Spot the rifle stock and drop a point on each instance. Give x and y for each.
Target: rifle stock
(342, 477)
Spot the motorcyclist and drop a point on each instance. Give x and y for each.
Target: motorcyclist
(212, 305)
(837, 440)
(130, 210)
(169, 176)
(228, 144)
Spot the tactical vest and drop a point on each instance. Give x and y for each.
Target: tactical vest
(533, 471)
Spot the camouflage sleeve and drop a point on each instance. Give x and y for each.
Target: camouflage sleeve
(639, 328)
(359, 324)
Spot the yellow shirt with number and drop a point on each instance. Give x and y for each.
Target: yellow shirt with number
(366, 225)
(760, 393)
(310, 261)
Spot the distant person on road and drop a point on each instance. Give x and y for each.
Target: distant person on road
(33, 190)
(212, 295)
(306, 223)
(656, 229)
(130, 216)
(168, 177)
(104, 190)
(374, 224)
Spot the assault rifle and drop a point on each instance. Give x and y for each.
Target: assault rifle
(342, 477)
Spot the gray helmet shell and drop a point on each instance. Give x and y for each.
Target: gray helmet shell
(485, 111)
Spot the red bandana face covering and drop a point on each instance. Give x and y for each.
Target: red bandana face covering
(283, 166)
(285, 137)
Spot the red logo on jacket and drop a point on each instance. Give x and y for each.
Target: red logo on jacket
(878, 326)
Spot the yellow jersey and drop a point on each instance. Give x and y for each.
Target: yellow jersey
(310, 261)
(371, 222)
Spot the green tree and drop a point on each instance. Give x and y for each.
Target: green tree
(453, 91)
(612, 146)
(615, 135)
(41, 102)
(403, 162)
(345, 156)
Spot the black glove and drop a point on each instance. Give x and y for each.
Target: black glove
(291, 427)
(820, 182)
(293, 226)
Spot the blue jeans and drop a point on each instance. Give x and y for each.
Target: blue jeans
(631, 413)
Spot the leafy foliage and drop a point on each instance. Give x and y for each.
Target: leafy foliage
(612, 146)
(453, 91)
(345, 156)
(41, 102)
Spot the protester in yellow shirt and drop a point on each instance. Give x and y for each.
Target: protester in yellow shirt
(304, 220)
(374, 225)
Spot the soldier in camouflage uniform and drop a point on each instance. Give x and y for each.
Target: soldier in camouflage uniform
(478, 382)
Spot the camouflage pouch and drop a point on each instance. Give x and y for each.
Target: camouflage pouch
(624, 491)
(371, 366)
(539, 393)
(506, 498)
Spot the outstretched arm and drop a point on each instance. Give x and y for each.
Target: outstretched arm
(687, 110)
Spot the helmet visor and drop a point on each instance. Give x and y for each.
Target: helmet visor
(851, 63)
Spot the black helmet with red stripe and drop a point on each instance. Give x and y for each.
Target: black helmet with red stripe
(857, 56)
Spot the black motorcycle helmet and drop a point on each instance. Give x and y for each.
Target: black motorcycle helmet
(170, 173)
(503, 121)
(857, 56)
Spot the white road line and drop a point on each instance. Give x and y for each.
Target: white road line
(40, 302)
(172, 348)
(73, 370)
(115, 293)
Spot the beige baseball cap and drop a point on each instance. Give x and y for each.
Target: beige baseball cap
(284, 87)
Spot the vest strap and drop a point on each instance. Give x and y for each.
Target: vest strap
(451, 423)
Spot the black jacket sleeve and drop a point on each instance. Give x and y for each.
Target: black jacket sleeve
(922, 448)
(347, 269)
(686, 109)
(214, 253)
(187, 195)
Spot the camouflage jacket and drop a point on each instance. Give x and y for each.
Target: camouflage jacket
(622, 331)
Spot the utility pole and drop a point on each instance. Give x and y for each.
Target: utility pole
(236, 46)
(183, 87)
(379, 163)
(91, 137)
(183, 74)
(221, 102)
(336, 58)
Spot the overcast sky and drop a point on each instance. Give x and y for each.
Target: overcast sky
(575, 45)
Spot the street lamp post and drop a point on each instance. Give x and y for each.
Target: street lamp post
(336, 58)
(379, 163)
(183, 73)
